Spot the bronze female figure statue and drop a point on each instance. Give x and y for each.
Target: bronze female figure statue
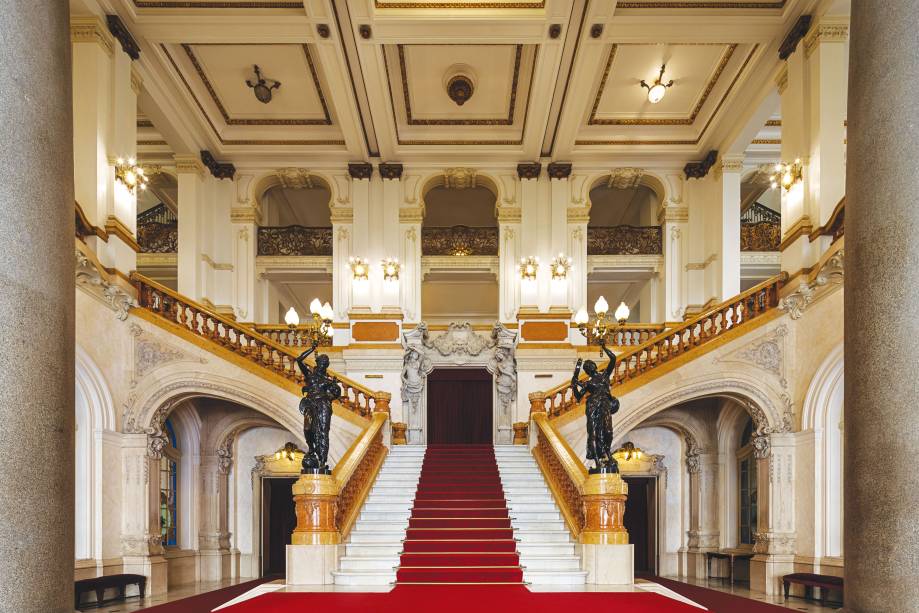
(316, 407)
(601, 404)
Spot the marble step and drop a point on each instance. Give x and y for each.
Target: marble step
(349, 563)
(364, 577)
(555, 577)
(535, 548)
(373, 550)
(555, 562)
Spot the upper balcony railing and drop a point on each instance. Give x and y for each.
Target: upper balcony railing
(760, 229)
(294, 240)
(158, 230)
(459, 240)
(671, 343)
(624, 240)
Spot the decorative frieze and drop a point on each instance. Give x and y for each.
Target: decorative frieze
(360, 170)
(528, 170)
(509, 214)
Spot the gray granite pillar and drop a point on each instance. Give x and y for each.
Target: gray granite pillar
(36, 309)
(881, 545)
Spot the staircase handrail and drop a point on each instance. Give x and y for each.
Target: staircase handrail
(672, 342)
(357, 470)
(244, 341)
(563, 471)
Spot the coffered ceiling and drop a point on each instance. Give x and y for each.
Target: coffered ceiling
(364, 79)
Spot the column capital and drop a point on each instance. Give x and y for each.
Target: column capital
(528, 170)
(558, 170)
(360, 170)
(825, 32)
(578, 214)
(187, 164)
(732, 163)
(390, 171)
(509, 214)
(91, 30)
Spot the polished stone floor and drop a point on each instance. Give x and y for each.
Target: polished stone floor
(177, 593)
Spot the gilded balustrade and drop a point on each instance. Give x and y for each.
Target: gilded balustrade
(673, 342)
(289, 337)
(244, 341)
(632, 335)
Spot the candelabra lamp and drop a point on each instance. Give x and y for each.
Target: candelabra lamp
(319, 330)
(598, 331)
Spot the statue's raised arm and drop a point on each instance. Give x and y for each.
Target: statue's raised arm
(611, 365)
(576, 386)
(301, 362)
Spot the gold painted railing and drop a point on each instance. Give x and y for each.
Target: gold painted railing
(631, 335)
(245, 342)
(563, 471)
(673, 342)
(356, 472)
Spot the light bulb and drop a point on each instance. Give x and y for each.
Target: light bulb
(656, 93)
(602, 306)
(786, 179)
(778, 168)
(292, 318)
(622, 312)
(315, 307)
(330, 332)
(328, 313)
(581, 318)
(132, 161)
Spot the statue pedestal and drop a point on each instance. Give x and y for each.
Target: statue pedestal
(607, 555)
(312, 556)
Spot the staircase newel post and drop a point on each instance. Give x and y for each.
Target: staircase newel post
(381, 405)
(608, 556)
(312, 554)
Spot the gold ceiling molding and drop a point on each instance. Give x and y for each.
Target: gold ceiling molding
(261, 122)
(695, 141)
(151, 142)
(501, 121)
(774, 122)
(766, 141)
(244, 142)
(686, 121)
(702, 4)
(92, 30)
(534, 4)
(144, 123)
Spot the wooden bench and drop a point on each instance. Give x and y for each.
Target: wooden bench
(727, 554)
(810, 581)
(100, 584)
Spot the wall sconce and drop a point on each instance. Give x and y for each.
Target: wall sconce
(287, 452)
(658, 90)
(360, 268)
(528, 268)
(787, 174)
(627, 452)
(130, 174)
(260, 86)
(601, 329)
(560, 267)
(391, 268)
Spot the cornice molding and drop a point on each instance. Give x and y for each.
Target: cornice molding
(121, 33)
(92, 30)
(578, 214)
(411, 214)
(245, 214)
(509, 214)
(675, 214)
(342, 215)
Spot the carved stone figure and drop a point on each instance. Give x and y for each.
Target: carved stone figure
(316, 407)
(415, 367)
(601, 405)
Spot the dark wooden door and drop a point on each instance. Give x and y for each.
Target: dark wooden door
(459, 406)
(278, 522)
(641, 521)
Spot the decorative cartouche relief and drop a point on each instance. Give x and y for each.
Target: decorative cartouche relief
(767, 353)
(150, 354)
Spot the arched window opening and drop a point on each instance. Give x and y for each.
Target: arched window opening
(760, 224)
(158, 228)
(459, 225)
(169, 481)
(748, 492)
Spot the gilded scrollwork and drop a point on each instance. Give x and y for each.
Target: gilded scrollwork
(294, 240)
(459, 240)
(624, 240)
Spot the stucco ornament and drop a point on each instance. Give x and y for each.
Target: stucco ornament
(150, 354)
(767, 353)
(832, 273)
(503, 365)
(415, 368)
(89, 278)
(459, 340)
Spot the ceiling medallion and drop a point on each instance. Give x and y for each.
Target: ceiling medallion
(261, 87)
(460, 89)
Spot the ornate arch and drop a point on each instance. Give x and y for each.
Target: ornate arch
(651, 179)
(262, 183)
(95, 391)
(438, 179)
(820, 393)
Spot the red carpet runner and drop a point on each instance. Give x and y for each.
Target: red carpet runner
(459, 531)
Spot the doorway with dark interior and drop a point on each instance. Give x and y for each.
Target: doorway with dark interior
(459, 406)
(640, 520)
(278, 522)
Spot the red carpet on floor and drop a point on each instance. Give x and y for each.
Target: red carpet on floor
(463, 599)
(459, 531)
(202, 603)
(719, 602)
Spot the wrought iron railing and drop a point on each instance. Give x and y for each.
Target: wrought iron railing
(760, 229)
(294, 240)
(459, 240)
(624, 240)
(757, 213)
(158, 230)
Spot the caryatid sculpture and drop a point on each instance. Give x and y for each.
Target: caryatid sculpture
(601, 405)
(320, 390)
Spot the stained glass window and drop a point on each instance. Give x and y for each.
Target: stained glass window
(169, 479)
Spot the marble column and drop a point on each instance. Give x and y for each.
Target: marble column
(36, 309)
(882, 267)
